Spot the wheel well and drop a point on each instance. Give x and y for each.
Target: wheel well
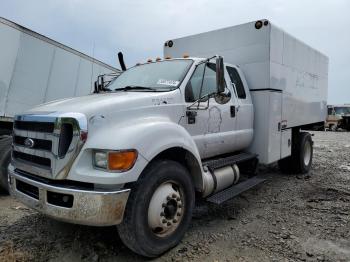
(188, 160)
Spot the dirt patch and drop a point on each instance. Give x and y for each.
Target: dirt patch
(288, 218)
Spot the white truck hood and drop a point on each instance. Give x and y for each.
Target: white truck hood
(107, 103)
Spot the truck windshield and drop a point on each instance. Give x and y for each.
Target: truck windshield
(158, 76)
(342, 110)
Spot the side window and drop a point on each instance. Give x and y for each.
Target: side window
(236, 82)
(192, 91)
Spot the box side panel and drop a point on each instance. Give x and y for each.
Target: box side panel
(286, 143)
(302, 73)
(267, 136)
(30, 76)
(241, 45)
(10, 40)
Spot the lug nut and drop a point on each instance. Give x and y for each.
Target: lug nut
(168, 198)
(163, 205)
(178, 214)
(168, 224)
(162, 214)
(178, 199)
(174, 195)
(174, 221)
(164, 221)
(180, 205)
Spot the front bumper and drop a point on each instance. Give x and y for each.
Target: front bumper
(87, 207)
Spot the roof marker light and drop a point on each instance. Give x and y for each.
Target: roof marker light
(185, 55)
(258, 24)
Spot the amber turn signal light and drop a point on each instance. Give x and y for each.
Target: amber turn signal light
(121, 160)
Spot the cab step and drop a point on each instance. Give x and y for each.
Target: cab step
(230, 160)
(235, 190)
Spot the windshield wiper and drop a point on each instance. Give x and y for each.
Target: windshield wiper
(127, 88)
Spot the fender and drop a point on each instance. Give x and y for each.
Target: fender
(149, 136)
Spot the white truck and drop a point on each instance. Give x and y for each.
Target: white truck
(163, 133)
(33, 70)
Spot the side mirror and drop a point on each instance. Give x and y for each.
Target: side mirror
(220, 74)
(99, 84)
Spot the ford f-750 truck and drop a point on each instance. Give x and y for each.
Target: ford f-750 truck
(139, 151)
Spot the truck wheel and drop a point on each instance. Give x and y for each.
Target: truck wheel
(301, 159)
(159, 209)
(305, 153)
(5, 158)
(333, 128)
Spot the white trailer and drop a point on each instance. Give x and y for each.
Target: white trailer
(288, 79)
(34, 70)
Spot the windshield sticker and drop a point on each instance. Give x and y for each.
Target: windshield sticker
(167, 82)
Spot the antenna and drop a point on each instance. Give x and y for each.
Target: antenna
(93, 60)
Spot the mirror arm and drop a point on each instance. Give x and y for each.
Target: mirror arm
(201, 89)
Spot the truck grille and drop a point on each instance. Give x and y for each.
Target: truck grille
(34, 126)
(38, 143)
(45, 145)
(42, 161)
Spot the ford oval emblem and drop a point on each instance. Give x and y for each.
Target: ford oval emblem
(28, 142)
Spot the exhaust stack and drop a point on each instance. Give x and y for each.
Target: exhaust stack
(121, 61)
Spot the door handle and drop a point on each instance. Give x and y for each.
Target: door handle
(233, 111)
(191, 117)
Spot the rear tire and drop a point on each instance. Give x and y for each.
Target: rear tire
(300, 161)
(159, 209)
(333, 128)
(5, 159)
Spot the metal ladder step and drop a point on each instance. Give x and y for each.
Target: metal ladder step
(235, 190)
(230, 160)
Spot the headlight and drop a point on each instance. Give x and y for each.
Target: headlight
(100, 159)
(115, 160)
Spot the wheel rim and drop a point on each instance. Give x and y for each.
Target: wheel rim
(307, 153)
(166, 209)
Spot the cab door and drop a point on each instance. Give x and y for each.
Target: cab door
(210, 121)
(244, 107)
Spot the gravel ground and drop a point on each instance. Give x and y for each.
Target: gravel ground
(288, 218)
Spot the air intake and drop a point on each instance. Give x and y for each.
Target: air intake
(66, 136)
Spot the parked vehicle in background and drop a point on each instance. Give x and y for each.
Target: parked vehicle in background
(338, 117)
(138, 152)
(34, 70)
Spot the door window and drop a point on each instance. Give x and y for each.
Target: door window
(236, 82)
(193, 87)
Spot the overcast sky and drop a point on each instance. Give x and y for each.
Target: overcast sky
(139, 28)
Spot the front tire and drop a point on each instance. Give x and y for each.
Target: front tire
(159, 209)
